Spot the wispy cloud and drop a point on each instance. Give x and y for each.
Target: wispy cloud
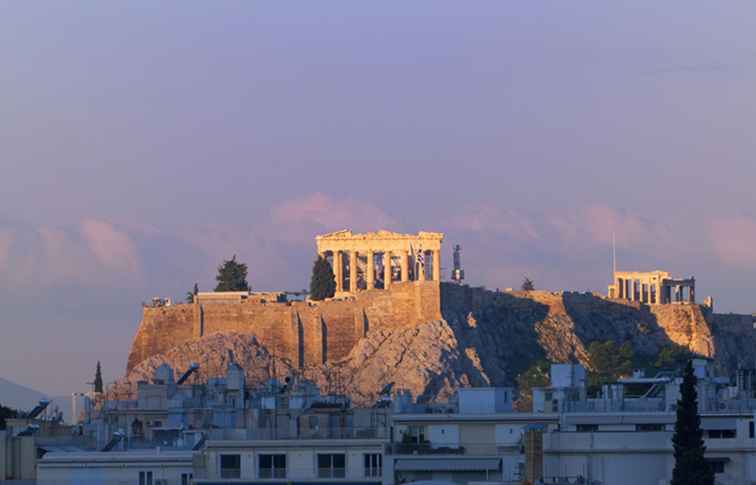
(112, 248)
(297, 220)
(6, 239)
(734, 240)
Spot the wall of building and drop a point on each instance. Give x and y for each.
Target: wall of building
(307, 333)
(301, 459)
(120, 469)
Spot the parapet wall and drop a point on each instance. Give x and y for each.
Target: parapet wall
(306, 333)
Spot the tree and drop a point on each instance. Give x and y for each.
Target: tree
(527, 284)
(690, 466)
(673, 356)
(232, 276)
(191, 293)
(537, 375)
(323, 281)
(609, 362)
(6, 413)
(98, 379)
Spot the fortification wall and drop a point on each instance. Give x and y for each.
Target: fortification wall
(306, 333)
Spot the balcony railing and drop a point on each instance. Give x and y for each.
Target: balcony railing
(421, 449)
(316, 434)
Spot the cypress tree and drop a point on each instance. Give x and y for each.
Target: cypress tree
(690, 466)
(98, 379)
(323, 281)
(232, 276)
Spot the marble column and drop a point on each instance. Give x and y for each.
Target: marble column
(370, 270)
(338, 271)
(353, 271)
(387, 270)
(404, 265)
(421, 270)
(436, 265)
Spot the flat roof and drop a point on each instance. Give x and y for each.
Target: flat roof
(502, 417)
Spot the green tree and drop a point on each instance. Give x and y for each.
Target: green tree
(673, 356)
(690, 466)
(609, 362)
(323, 281)
(190, 294)
(98, 378)
(6, 413)
(527, 284)
(232, 276)
(537, 375)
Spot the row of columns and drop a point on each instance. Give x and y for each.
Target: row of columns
(338, 268)
(640, 291)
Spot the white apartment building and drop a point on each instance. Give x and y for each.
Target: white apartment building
(633, 448)
(340, 461)
(476, 437)
(137, 467)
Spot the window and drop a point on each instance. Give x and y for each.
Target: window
(373, 465)
(587, 428)
(717, 464)
(272, 466)
(720, 434)
(649, 427)
(751, 430)
(332, 465)
(417, 434)
(230, 466)
(186, 478)
(145, 478)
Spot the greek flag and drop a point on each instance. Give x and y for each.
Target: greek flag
(420, 257)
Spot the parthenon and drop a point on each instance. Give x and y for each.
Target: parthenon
(378, 259)
(653, 287)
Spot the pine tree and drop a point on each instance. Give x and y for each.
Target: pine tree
(98, 379)
(690, 466)
(528, 285)
(232, 276)
(323, 281)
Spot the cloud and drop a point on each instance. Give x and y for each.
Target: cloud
(562, 248)
(112, 248)
(514, 224)
(734, 240)
(6, 239)
(588, 226)
(299, 219)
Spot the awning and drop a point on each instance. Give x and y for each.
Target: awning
(447, 464)
(718, 423)
(722, 459)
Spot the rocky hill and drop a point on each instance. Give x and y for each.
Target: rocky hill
(484, 338)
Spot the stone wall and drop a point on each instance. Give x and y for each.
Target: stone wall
(306, 333)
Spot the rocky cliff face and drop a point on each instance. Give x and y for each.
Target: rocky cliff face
(485, 338)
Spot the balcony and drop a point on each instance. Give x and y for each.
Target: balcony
(368, 433)
(421, 449)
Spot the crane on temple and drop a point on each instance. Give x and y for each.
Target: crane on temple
(458, 274)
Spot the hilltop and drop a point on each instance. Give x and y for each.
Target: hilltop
(481, 337)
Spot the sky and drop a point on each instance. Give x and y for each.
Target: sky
(143, 142)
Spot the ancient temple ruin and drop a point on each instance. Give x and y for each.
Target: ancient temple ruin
(378, 259)
(653, 287)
